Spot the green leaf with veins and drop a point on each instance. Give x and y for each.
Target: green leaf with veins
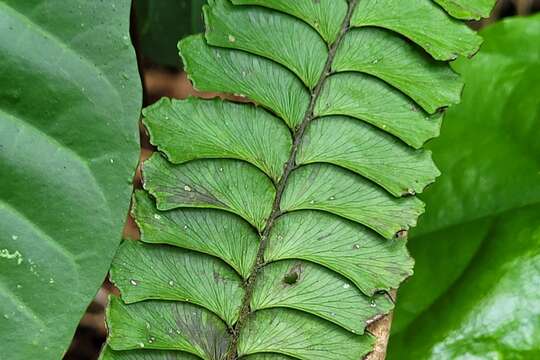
(274, 229)
(202, 122)
(70, 98)
(325, 16)
(108, 354)
(466, 9)
(474, 294)
(212, 232)
(422, 21)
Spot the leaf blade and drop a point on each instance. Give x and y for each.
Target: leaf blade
(69, 161)
(188, 131)
(435, 31)
(229, 185)
(493, 239)
(294, 334)
(143, 272)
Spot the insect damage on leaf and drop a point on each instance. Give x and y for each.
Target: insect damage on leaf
(283, 225)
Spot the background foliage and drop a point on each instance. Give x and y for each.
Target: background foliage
(160, 24)
(70, 98)
(475, 291)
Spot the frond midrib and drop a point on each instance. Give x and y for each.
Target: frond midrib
(288, 169)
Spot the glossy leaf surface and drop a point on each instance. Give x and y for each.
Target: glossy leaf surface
(474, 294)
(69, 109)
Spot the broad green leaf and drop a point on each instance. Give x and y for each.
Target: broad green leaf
(433, 275)
(481, 301)
(492, 309)
(69, 109)
(297, 202)
(161, 23)
(499, 139)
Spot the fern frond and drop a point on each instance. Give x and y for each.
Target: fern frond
(274, 229)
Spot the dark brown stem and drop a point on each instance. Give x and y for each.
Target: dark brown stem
(289, 167)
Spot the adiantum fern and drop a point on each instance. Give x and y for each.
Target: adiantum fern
(273, 229)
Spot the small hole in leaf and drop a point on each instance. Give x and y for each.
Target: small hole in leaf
(402, 234)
